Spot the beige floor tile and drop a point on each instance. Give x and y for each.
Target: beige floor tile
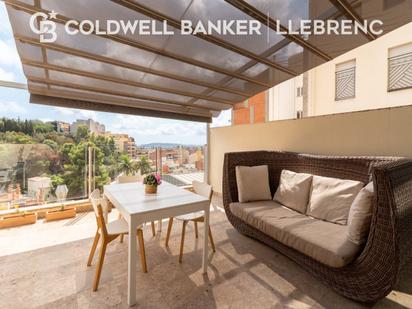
(44, 266)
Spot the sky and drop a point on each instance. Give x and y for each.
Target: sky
(14, 103)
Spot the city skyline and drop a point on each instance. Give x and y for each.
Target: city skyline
(14, 103)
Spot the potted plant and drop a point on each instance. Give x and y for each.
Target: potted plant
(62, 212)
(18, 219)
(151, 182)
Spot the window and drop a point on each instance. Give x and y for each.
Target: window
(400, 67)
(299, 92)
(345, 83)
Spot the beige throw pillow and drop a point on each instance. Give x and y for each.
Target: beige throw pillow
(331, 198)
(253, 183)
(360, 216)
(293, 190)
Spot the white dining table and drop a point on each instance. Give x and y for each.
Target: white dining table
(137, 207)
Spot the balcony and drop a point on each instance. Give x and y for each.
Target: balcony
(92, 117)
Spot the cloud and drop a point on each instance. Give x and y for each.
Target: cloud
(64, 111)
(224, 119)
(76, 113)
(157, 128)
(5, 27)
(88, 114)
(9, 56)
(8, 76)
(12, 108)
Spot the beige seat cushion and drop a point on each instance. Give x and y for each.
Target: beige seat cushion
(323, 241)
(253, 183)
(331, 198)
(293, 190)
(360, 215)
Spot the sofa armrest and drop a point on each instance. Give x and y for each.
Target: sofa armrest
(393, 187)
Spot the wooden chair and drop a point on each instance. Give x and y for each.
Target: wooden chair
(129, 179)
(109, 231)
(202, 189)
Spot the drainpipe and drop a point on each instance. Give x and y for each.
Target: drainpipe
(206, 153)
(90, 169)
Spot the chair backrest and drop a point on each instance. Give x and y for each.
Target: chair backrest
(97, 200)
(202, 189)
(128, 179)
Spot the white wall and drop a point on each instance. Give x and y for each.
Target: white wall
(371, 78)
(283, 101)
(384, 132)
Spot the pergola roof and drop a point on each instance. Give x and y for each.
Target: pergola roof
(190, 77)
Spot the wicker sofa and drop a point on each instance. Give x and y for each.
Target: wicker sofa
(375, 271)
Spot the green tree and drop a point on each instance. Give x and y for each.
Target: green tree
(144, 165)
(75, 176)
(82, 134)
(52, 144)
(127, 166)
(56, 180)
(16, 138)
(41, 127)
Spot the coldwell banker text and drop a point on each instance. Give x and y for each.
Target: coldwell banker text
(224, 27)
(48, 30)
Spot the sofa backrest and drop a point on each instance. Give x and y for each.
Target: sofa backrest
(354, 168)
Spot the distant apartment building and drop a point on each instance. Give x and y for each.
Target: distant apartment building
(131, 147)
(93, 126)
(124, 143)
(177, 160)
(253, 110)
(62, 127)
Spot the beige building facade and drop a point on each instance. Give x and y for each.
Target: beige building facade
(369, 119)
(315, 93)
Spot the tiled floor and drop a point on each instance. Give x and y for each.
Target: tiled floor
(44, 265)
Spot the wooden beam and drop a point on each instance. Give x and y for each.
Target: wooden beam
(108, 108)
(5, 83)
(37, 4)
(140, 8)
(106, 91)
(269, 21)
(133, 43)
(126, 65)
(128, 102)
(123, 81)
(346, 9)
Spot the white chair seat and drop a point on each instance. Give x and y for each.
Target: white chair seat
(191, 216)
(118, 226)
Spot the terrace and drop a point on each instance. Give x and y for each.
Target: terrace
(288, 91)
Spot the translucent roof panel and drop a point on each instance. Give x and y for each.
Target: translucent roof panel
(173, 8)
(212, 72)
(290, 13)
(114, 87)
(214, 11)
(391, 12)
(198, 49)
(296, 58)
(34, 72)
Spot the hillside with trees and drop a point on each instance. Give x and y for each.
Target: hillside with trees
(32, 148)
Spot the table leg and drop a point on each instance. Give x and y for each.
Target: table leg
(205, 240)
(131, 275)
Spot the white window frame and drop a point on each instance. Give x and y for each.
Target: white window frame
(345, 76)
